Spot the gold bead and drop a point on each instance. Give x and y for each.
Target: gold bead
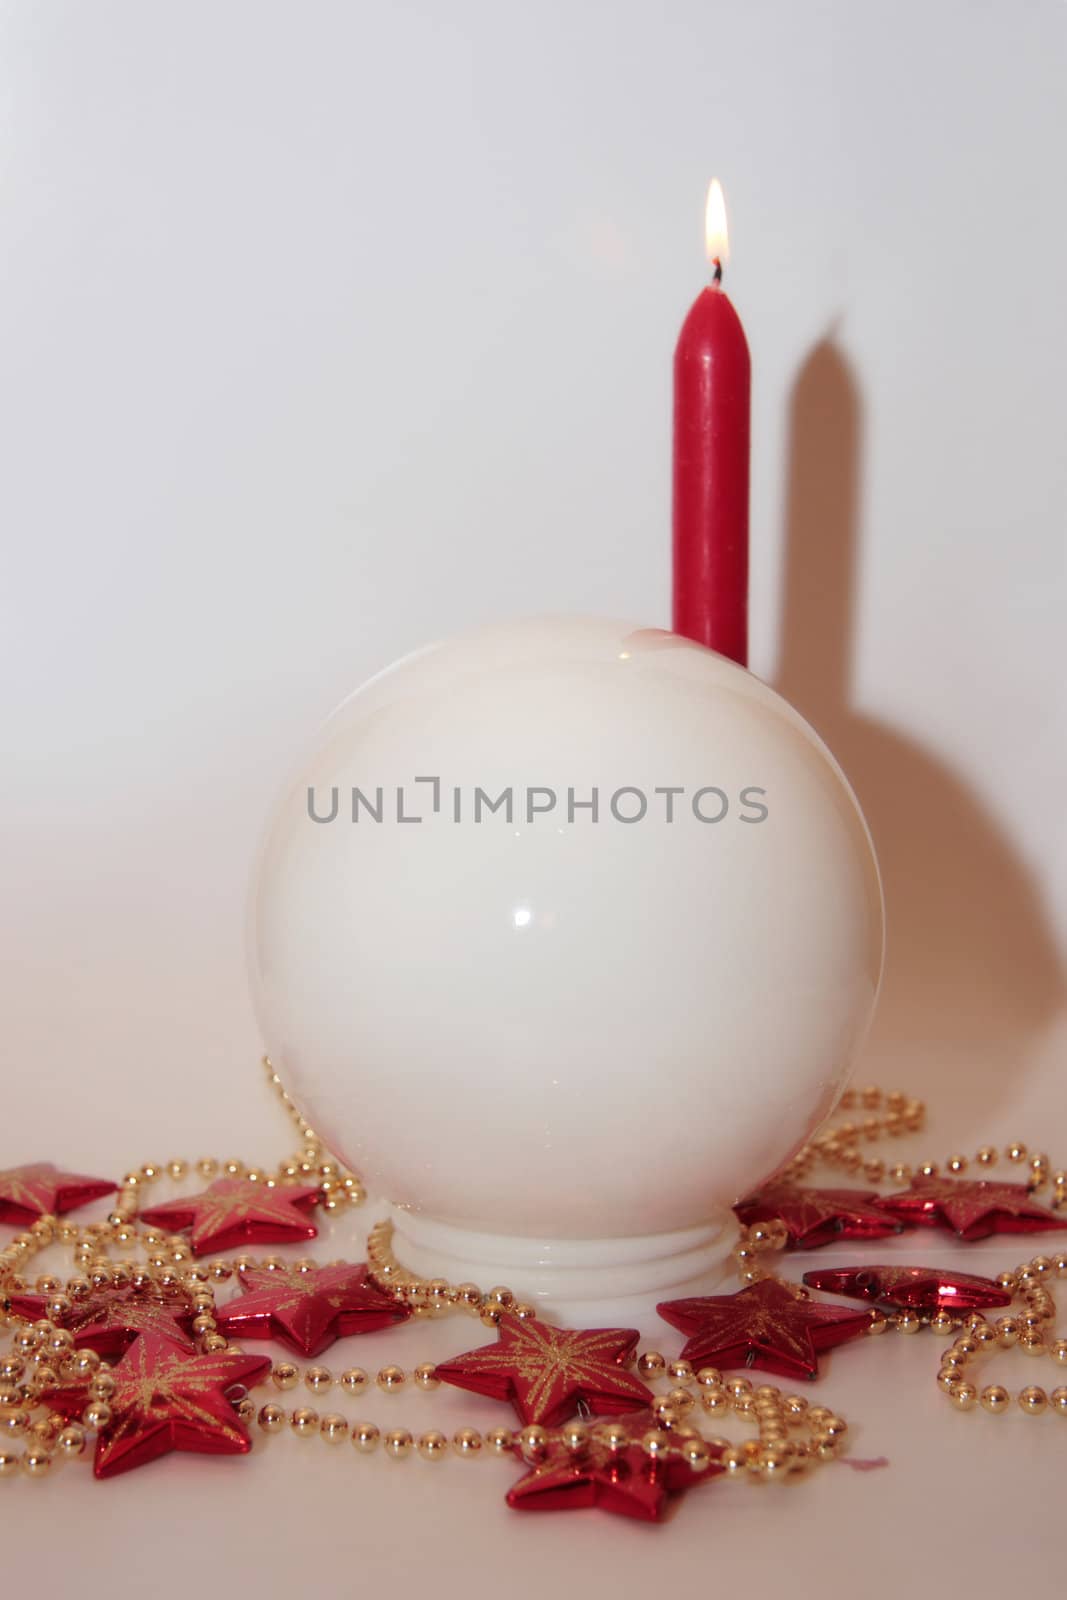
(70, 1442)
(500, 1441)
(37, 1463)
(1058, 1351)
(709, 1378)
(365, 1436)
(391, 1379)
(1007, 1332)
(906, 1320)
(928, 1169)
(715, 1401)
(655, 1443)
(353, 1380)
(733, 1460)
(271, 1418)
(304, 1422)
(738, 1388)
(1033, 1400)
(433, 1445)
(1016, 1152)
(533, 1441)
(995, 1398)
(1058, 1401)
(398, 1442)
(941, 1323)
(681, 1400)
(524, 1312)
(612, 1435)
(425, 1376)
(469, 1296)
(956, 1164)
(650, 1364)
(966, 1346)
(696, 1454)
(501, 1297)
(1006, 1281)
(1042, 1265)
(1031, 1344)
(574, 1437)
(963, 1395)
(987, 1156)
(9, 1462)
(97, 1414)
(681, 1371)
(947, 1379)
(491, 1316)
(318, 1379)
(467, 1442)
(334, 1428)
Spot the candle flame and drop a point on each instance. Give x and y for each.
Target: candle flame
(715, 230)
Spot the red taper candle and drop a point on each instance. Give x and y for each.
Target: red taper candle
(712, 383)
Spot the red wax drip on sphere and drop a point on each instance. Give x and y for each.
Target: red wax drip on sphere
(712, 384)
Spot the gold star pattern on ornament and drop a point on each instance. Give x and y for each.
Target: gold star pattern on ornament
(308, 1308)
(41, 1189)
(764, 1325)
(163, 1400)
(235, 1211)
(623, 1478)
(110, 1321)
(973, 1209)
(549, 1373)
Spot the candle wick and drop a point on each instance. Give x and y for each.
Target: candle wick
(716, 272)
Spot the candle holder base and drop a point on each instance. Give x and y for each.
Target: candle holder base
(577, 1280)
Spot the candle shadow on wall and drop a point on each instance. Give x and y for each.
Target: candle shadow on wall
(973, 977)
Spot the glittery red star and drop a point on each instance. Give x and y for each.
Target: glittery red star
(166, 1400)
(972, 1209)
(109, 1322)
(308, 1310)
(234, 1212)
(548, 1373)
(764, 1325)
(816, 1216)
(40, 1189)
(626, 1481)
(914, 1288)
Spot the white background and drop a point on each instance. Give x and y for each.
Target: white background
(330, 328)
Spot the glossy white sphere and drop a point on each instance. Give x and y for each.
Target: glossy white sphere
(554, 1026)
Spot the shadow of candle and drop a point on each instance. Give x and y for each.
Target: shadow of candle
(973, 976)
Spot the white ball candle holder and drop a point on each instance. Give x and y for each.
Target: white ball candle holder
(565, 936)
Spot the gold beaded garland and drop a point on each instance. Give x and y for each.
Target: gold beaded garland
(791, 1433)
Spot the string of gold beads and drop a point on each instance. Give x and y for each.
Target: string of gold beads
(1028, 1331)
(776, 1451)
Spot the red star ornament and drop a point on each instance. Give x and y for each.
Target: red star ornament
(911, 1288)
(233, 1212)
(763, 1325)
(308, 1310)
(549, 1373)
(814, 1217)
(41, 1189)
(109, 1322)
(972, 1209)
(166, 1400)
(627, 1481)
